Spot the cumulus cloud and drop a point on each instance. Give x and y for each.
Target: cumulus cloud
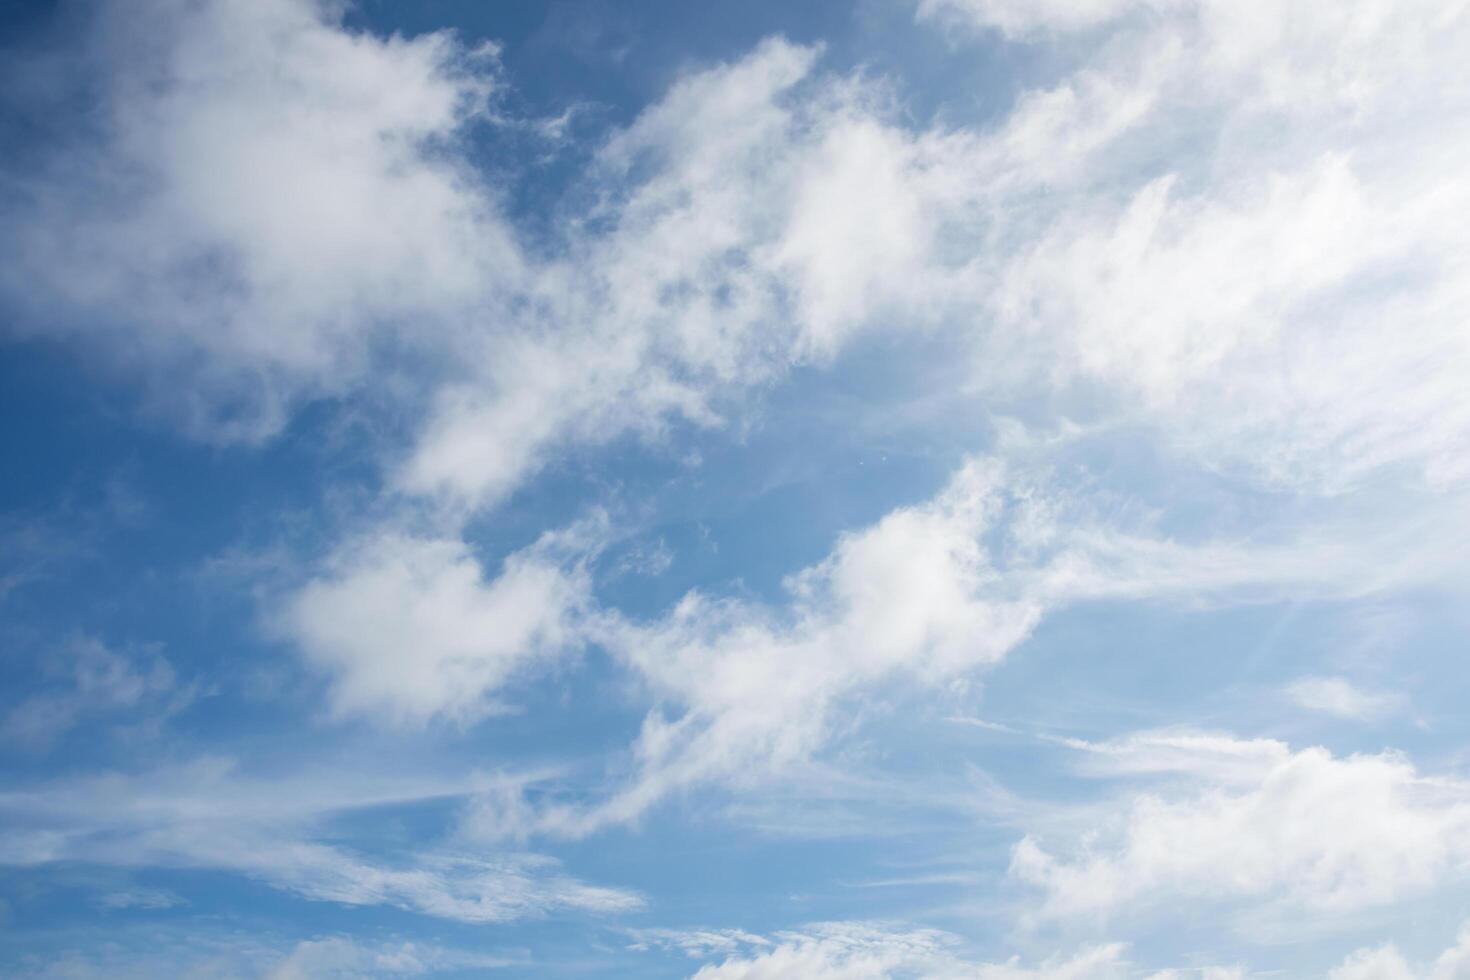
(1384, 963)
(336, 217)
(1387, 963)
(1242, 821)
(1243, 292)
(263, 197)
(408, 628)
(760, 214)
(1251, 316)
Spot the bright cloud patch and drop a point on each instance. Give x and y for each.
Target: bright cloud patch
(258, 197)
(409, 628)
(1246, 824)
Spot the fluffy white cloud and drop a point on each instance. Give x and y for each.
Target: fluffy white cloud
(758, 215)
(1387, 963)
(409, 628)
(271, 201)
(1384, 963)
(1243, 291)
(266, 196)
(1244, 820)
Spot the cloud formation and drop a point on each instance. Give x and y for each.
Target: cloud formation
(260, 198)
(1193, 282)
(208, 815)
(408, 628)
(1243, 822)
(929, 594)
(1387, 963)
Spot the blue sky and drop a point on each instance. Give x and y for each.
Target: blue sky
(957, 488)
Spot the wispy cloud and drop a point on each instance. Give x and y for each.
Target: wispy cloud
(135, 692)
(1339, 697)
(208, 815)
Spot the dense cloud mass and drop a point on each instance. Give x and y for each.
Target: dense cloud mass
(956, 488)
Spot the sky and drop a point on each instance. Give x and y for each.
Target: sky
(829, 491)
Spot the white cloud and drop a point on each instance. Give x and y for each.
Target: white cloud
(335, 216)
(1454, 963)
(926, 595)
(1337, 696)
(1384, 963)
(860, 951)
(267, 196)
(1234, 318)
(1243, 821)
(208, 815)
(1387, 963)
(1243, 291)
(409, 628)
(1250, 246)
(757, 215)
(1277, 286)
